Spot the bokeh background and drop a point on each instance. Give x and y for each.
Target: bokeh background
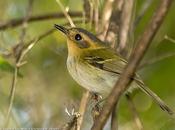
(46, 89)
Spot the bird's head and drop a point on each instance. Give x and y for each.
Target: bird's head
(79, 40)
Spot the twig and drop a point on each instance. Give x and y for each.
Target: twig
(156, 59)
(125, 25)
(86, 6)
(125, 79)
(65, 13)
(169, 39)
(106, 15)
(86, 11)
(72, 124)
(17, 22)
(134, 112)
(96, 15)
(18, 59)
(82, 108)
(91, 12)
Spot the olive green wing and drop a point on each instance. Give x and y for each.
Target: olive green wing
(105, 59)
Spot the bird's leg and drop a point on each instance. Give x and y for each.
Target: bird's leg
(97, 107)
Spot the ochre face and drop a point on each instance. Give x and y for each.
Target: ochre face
(79, 40)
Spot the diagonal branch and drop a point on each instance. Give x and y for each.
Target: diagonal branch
(142, 45)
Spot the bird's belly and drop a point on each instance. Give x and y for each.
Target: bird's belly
(91, 78)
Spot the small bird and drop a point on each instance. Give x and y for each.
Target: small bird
(97, 67)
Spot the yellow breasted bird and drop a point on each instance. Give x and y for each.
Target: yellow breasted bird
(97, 67)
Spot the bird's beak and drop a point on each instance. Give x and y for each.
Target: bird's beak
(62, 29)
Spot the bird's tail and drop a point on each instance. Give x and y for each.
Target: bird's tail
(156, 98)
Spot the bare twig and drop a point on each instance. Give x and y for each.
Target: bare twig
(82, 108)
(17, 22)
(18, 59)
(72, 124)
(156, 59)
(86, 11)
(125, 79)
(106, 15)
(65, 13)
(125, 25)
(96, 15)
(134, 112)
(169, 38)
(86, 6)
(91, 12)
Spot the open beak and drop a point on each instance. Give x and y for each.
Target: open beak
(62, 29)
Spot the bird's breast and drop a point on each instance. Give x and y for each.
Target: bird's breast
(90, 77)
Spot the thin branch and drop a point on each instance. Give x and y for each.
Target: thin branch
(17, 22)
(125, 25)
(12, 93)
(134, 112)
(72, 124)
(125, 79)
(96, 15)
(82, 108)
(156, 59)
(106, 15)
(91, 12)
(86, 6)
(65, 13)
(169, 38)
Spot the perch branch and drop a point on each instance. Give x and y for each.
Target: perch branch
(82, 108)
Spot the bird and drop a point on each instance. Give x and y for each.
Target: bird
(94, 65)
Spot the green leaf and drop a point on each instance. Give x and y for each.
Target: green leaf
(6, 66)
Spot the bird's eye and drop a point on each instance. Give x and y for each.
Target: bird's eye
(78, 37)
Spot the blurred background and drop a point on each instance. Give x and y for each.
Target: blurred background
(44, 88)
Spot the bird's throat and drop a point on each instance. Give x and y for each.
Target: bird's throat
(73, 49)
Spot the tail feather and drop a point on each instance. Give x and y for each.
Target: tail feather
(156, 98)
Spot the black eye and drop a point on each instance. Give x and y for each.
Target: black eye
(78, 37)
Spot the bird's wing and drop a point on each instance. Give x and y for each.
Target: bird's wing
(106, 59)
